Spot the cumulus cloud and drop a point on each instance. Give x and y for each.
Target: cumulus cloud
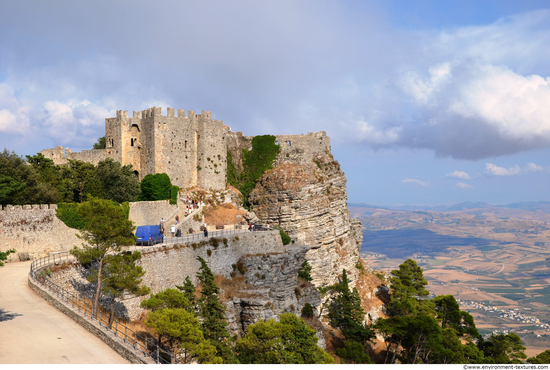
(416, 182)
(459, 175)
(287, 67)
(463, 185)
(532, 167)
(516, 170)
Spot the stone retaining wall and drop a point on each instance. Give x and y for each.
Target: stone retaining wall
(34, 231)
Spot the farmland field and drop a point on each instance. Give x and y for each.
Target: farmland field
(493, 260)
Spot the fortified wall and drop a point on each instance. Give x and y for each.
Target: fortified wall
(270, 270)
(34, 231)
(191, 149)
(298, 149)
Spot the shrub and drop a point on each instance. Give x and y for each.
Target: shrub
(225, 241)
(305, 271)
(241, 268)
(284, 237)
(215, 242)
(307, 311)
(174, 191)
(297, 291)
(209, 252)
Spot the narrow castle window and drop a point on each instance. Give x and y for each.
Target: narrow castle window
(185, 143)
(132, 142)
(288, 142)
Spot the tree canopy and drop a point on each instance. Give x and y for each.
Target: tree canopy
(287, 341)
(106, 229)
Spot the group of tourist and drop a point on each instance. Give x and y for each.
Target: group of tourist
(191, 206)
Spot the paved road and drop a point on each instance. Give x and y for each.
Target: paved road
(34, 332)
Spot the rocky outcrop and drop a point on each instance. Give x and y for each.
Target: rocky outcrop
(274, 288)
(309, 202)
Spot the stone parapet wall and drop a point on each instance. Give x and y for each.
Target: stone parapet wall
(34, 231)
(150, 213)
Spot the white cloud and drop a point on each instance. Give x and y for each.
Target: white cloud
(416, 182)
(463, 185)
(531, 167)
(459, 175)
(494, 170)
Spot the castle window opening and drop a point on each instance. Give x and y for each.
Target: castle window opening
(276, 143)
(250, 148)
(288, 142)
(185, 143)
(136, 173)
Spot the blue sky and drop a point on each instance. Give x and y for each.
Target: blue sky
(426, 102)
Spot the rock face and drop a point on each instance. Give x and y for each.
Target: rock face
(276, 289)
(309, 202)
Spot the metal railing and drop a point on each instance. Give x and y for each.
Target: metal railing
(149, 347)
(197, 237)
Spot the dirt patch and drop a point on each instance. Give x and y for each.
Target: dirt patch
(223, 214)
(237, 287)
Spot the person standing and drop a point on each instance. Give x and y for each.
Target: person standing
(177, 219)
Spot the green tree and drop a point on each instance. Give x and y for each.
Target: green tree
(48, 170)
(118, 183)
(407, 286)
(168, 298)
(353, 352)
(77, 180)
(345, 312)
(541, 358)
(305, 271)
(503, 348)
(101, 143)
(155, 187)
(288, 341)
(188, 290)
(106, 229)
(21, 183)
(183, 331)
(121, 275)
(211, 311)
(4, 255)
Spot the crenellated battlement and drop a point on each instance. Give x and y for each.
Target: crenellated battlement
(26, 207)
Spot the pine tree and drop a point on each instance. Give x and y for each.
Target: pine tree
(212, 313)
(346, 313)
(106, 229)
(121, 274)
(188, 290)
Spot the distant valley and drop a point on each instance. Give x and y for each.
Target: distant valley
(494, 259)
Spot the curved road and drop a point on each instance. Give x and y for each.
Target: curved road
(34, 332)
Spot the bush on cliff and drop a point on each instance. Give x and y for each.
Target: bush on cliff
(284, 237)
(256, 162)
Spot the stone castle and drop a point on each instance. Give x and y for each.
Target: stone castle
(191, 149)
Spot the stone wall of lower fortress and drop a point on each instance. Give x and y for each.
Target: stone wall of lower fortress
(168, 266)
(34, 231)
(150, 213)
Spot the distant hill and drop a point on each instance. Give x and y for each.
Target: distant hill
(541, 206)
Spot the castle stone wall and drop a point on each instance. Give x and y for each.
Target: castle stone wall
(34, 230)
(150, 213)
(296, 149)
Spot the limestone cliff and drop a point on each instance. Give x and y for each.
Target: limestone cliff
(309, 202)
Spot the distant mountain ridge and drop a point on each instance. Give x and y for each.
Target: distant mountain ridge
(542, 206)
